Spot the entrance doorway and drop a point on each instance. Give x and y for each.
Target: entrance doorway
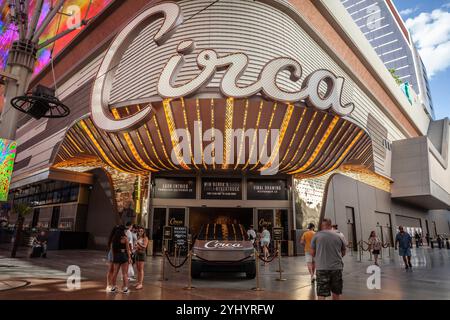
(201, 216)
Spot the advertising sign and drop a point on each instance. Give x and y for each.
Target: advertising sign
(267, 189)
(174, 188)
(168, 233)
(221, 188)
(277, 234)
(180, 237)
(7, 156)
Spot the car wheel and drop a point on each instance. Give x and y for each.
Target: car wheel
(251, 271)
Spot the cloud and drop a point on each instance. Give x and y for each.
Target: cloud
(408, 11)
(431, 33)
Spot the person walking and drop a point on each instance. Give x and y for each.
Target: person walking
(335, 228)
(121, 258)
(306, 241)
(439, 241)
(265, 242)
(42, 240)
(403, 242)
(131, 240)
(141, 253)
(328, 249)
(375, 246)
(417, 238)
(427, 237)
(251, 234)
(109, 259)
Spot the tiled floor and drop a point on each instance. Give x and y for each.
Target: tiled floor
(25, 278)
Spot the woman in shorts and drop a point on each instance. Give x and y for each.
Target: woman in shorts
(121, 258)
(265, 242)
(141, 248)
(375, 246)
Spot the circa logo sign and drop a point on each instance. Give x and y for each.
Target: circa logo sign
(209, 63)
(224, 245)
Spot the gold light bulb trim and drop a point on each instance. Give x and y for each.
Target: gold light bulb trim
(173, 134)
(318, 147)
(301, 142)
(242, 142)
(283, 129)
(252, 147)
(228, 126)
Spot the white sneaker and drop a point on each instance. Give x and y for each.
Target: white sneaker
(112, 290)
(313, 279)
(125, 290)
(133, 279)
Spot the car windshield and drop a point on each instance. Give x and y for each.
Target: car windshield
(216, 231)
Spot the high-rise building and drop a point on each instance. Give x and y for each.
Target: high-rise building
(383, 27)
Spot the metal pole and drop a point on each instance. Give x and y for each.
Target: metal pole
(279, 252)
(189, 286)
(258, 288)
(163, 264)
(279, 263)
(177, 256)
(360, 252)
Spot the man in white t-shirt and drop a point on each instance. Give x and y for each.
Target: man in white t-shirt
(131, 240)
(251, 234)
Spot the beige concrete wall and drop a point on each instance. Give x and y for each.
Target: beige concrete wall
(371, 206)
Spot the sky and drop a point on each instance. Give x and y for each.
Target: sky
(429, 24)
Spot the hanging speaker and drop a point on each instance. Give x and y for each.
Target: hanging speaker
(42, 103)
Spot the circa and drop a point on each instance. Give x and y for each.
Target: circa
(209, 63)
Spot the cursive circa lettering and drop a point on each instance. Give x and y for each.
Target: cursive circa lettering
(215, 244)
(321, 89)
(235, 65)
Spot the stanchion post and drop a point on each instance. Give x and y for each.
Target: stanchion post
(177, 257)
(278, 243)
(258, 288)
(279, 263)
(189, 286)
(360, 251)
(163, 264)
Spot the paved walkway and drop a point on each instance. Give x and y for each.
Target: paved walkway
(25, 278)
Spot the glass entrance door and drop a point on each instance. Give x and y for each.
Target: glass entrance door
(159, 221)
(275, 218)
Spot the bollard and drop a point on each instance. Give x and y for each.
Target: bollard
(258, 288)
(279, 268)
(279, 250)
(189, 286)
(163, 274)
(177, 257)
(359, 252)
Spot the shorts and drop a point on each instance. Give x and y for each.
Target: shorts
(109, 256)
(309, 258)
(328, 281)
(404, 252)
(120, 257)
(376, 252)
(140, 256)
(265, 243)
